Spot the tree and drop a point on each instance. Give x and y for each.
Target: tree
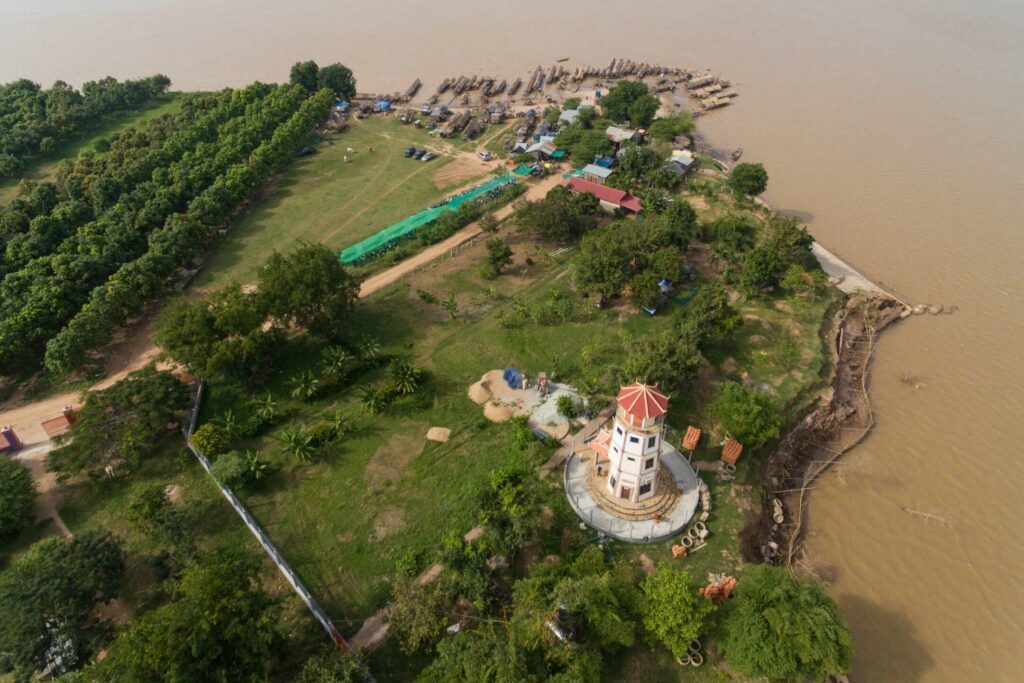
(480, 654)
(748, 180)
(306, 74)
(560, 217)
(669, 128)
(124, 421)
(49, 600)
(17, 497)
(369, 349)
(666, 359)
(761, 268)
(748, 415)
(338, 78)
(310, 288)
(451, 305)
(680, 222)
(499, 255)
(709, 317)
(211, 440)
(147, 507)
(782, 627)
(630, 100)
(791, 242)
(219, 626)
(333, 666)
(583, 144)
(373, 399)
(488, 223)
(733, 236)
(674, 612)
(419, 611)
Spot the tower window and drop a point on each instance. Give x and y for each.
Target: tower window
(644, 488)
(613, 482)
(634, 439)
(618, 429)
(651, 441)
(649, 464)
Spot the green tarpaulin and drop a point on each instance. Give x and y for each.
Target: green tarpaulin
(417, 220)
(558, 154)
(523, 169)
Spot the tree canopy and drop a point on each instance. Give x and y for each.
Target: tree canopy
(17, 496)
(784, 628)
(671, 127)
(749, 180)
(48, 601)
(674, 612)
(583, 144)
(561, 216)
(219, 626)
(630, 101)
(749, 415)
(122, 422)
(338, 79)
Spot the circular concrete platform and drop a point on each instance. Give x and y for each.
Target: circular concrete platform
(598, 513)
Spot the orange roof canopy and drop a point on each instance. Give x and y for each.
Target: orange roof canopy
(642, 401)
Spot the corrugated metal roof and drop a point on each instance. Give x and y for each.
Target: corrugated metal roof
(599, 171)
(605, 193)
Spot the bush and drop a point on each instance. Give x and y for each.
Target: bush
(748, 415)
(211, 440)
(749, 180)
(322, 434)
(426, 296)
(674, 613)
(231, 469)
(17, 496)
(567, 407)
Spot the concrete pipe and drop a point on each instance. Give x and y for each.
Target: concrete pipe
(696, 659)
(695, 646)
(687, 542)
(700, 526)
(685, 660)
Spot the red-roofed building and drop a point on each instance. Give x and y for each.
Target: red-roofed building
(634, 454)
(609, 197)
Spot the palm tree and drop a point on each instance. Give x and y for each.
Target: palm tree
(304, 385)
(266, 408)
(369, 349)
(451, 305)
(336, 360)
(372, 399)
(297, 442)
(404, 377)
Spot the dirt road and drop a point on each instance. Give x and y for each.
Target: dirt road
(537, 190)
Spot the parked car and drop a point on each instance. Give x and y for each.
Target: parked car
(427, 156)
(486, 156)
(409, 151)
(418, 154)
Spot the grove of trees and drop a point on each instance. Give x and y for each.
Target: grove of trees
(630, 101)
(337, 78)
(17, 496)
(36, 121)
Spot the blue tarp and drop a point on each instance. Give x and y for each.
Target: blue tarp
(513, 378)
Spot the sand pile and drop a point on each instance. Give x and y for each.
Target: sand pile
(480, 392)
(441, 434)
(498, 412)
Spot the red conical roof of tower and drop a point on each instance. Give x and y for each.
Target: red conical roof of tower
(642, 401)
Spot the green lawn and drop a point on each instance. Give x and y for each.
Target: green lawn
(321, 198)
(44, 168)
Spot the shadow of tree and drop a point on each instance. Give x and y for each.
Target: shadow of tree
(887, 645)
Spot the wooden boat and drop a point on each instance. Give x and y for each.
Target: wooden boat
(737, 153)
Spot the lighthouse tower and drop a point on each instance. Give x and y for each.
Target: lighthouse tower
(634, 454)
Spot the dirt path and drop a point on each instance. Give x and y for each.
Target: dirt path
(46, 484)
(400, 270)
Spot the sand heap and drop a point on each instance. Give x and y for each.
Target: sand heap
(502, 403)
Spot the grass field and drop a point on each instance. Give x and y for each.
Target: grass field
(44, 168)
(321, 198)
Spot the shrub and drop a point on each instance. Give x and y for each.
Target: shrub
(567, 407)
(321, 434)
(426, 296)
(231, 469)
(211, 440)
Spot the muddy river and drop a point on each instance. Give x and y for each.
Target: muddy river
(893, 127)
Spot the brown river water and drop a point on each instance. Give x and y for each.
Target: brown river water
(895, 128)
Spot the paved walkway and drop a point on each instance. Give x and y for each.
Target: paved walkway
(635, 531)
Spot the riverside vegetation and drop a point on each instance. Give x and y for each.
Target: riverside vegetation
(316, 411)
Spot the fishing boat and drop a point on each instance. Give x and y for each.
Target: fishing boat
(737, 153)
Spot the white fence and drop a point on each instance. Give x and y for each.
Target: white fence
(187, 427)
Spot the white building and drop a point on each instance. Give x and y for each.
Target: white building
(634, 446)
